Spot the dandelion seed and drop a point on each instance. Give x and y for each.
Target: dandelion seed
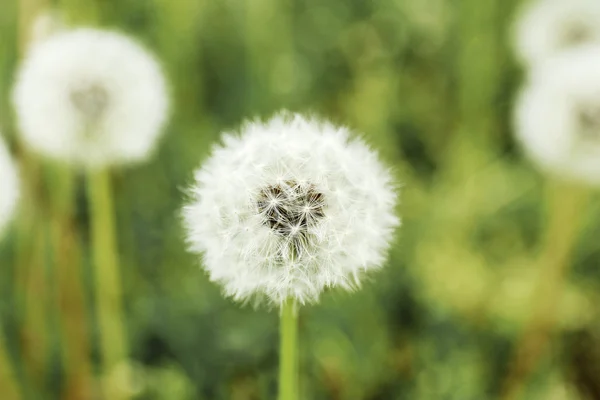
(91, 97)
(547, 27)
(9, 191)
(289, 207)
(558, 115)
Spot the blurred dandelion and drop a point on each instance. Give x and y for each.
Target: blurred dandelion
(286, 209)
(91, 97)
(558, 115)
(557, 121)
(547, 27)
(9, 192)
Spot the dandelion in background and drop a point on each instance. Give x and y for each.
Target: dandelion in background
(547, 27)
(286, 209)
(9, 187)
(557, 121)
(90, 97)
(558, 115)
(93, 99)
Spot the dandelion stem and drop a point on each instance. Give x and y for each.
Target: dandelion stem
(109, 307)
(288, 352)
(564, 206)
(32, 288)
(70, 293)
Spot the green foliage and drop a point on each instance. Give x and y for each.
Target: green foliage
(431, 84)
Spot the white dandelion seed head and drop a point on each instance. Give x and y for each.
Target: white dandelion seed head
(558, 115)
(547, 27)
(91, 98)
(9, 188)
(290, 207)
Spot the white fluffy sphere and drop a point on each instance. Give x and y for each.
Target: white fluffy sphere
(9, 187)
(558, 115)
(91, 98)
(289, 207)
(547, 27)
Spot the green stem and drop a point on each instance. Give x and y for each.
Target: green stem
(109, 307)
(288, 352)
(70, 293)
(565, 203)
(32, 288)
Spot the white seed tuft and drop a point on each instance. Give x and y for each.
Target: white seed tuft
(547, 27)
(91, 98)
(558, 115)
(288, 208)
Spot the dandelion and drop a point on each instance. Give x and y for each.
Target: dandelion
(90, 97)
(93, 99)
(547, 27)
(557, 121)
(9, 192)
(288, 208)
(558, 115)
(284, 210)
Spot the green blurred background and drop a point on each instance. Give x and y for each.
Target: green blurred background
(431, 84)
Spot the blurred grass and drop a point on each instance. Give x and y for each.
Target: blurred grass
(431, 84)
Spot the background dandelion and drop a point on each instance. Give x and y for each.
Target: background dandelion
(557, 119)
(433, 85)
(555, 123)
(75, 106)
(547, 27)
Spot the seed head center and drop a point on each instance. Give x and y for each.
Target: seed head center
(290, 208)
(574, 33)
(91, 100)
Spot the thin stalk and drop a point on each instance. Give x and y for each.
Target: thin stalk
(564, 207)
(34, 304)
(107, 278)
(288, 352)
(32, 292)
(31, 287)
(71, 300)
